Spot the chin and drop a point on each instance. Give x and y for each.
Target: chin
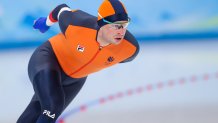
(117, 41)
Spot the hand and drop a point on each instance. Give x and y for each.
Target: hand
(41, 24)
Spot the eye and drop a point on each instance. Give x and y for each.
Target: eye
(117, 26)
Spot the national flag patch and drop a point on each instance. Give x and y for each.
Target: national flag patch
(80, 48)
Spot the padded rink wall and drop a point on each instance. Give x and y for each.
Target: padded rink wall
(170, 81)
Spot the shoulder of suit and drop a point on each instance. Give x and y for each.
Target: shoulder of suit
(84, 19)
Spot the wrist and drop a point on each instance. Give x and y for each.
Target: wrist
(49, 20)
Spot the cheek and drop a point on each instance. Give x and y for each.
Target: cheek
(107, 34)
(110, 33)
(123, 32)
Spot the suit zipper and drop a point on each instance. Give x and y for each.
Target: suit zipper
(100, 48)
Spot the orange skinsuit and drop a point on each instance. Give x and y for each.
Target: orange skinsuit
(59, 67)
(77, 50)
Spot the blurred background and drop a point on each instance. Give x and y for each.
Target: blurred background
(174, 79)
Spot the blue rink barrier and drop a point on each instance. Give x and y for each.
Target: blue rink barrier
(11, 44)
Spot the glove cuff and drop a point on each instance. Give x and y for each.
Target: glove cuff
(50, 21)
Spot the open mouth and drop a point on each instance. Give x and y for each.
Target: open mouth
(118, 38)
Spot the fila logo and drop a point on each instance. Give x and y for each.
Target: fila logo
(46, 112)
(80, 48)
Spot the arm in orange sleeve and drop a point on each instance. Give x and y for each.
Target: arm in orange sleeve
(134, 42)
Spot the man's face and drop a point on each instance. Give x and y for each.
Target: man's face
(115, 32)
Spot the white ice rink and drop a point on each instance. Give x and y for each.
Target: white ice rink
(162, 66)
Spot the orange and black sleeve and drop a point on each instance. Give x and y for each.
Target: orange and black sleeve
(73, 17)
(132, 40)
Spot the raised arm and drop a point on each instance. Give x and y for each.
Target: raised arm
(44, 23)
(65, 17)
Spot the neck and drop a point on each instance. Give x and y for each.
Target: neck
(100, 39)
